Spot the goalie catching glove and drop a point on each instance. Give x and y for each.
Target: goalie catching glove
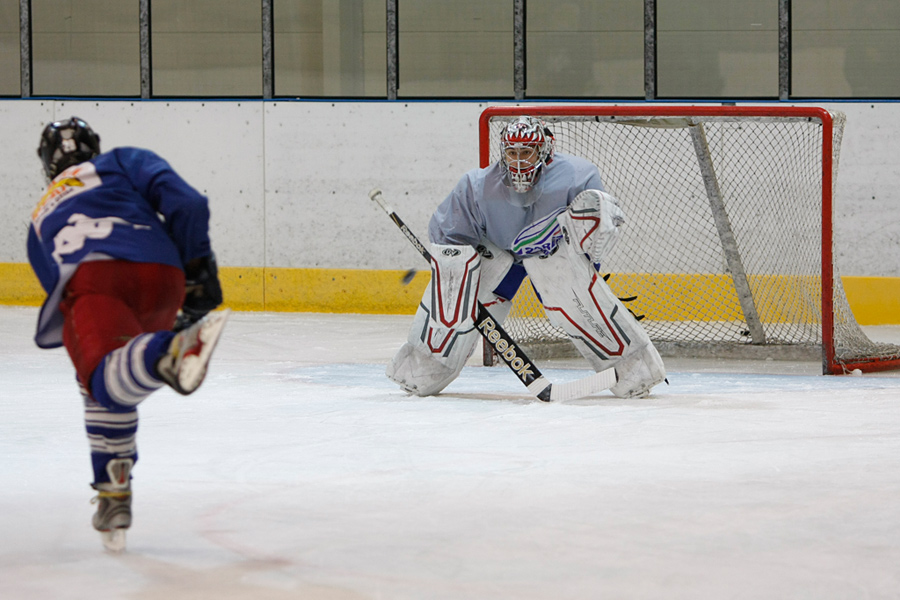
(203, 292)
(595, 221)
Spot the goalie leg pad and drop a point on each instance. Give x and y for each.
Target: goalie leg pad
(577, 300)
(443, 335)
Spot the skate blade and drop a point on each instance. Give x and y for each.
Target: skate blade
(194, 366)
(113, 540)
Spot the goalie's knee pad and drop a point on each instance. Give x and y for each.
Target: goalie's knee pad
(577, 299)
(443, 335)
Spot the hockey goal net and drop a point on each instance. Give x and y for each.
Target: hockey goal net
(728, 240)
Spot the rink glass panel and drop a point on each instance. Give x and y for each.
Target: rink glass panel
(206, 48)
(330, 48)
(585, 48)
(86, 48)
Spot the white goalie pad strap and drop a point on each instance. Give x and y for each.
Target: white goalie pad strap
(593, 220)
(442, 336)
(576, 298)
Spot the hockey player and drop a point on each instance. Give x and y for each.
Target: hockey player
(532, 213)
(120, 243)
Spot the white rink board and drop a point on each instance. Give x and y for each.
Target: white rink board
(216, 146)
(22, 178)
(288, 181)
(329, 156)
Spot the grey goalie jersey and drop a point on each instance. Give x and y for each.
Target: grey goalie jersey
(481, 206)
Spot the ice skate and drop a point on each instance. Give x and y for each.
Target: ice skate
(113, 516)
(184, 365)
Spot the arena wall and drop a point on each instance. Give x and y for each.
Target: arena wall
(288, 183)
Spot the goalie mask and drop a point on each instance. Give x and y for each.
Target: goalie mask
(526, 145)
(67, 143)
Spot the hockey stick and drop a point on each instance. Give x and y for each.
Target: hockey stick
(506, 347)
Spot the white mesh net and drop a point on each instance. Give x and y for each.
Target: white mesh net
(722, 243)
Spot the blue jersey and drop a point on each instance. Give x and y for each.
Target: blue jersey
(481, 206)
(125, 204)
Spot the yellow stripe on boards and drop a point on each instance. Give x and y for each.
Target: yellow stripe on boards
(874, 300)
(343, 291)
(778, 298)
(19, 286)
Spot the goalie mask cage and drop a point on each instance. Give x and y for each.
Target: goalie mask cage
(728, 238)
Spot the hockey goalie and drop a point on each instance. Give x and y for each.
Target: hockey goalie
(534, 213)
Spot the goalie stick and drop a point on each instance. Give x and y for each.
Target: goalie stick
(506, 347)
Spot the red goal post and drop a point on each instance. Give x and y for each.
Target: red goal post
(728, 241)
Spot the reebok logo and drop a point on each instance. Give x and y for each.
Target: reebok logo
(488, 328)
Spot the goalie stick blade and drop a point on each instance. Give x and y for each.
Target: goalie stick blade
(541, 388)
(573, 390)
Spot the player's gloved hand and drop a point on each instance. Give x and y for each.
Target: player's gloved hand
(203, 292)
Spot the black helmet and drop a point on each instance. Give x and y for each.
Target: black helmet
(67, 143)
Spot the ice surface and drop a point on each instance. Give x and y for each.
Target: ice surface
(299, 471)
